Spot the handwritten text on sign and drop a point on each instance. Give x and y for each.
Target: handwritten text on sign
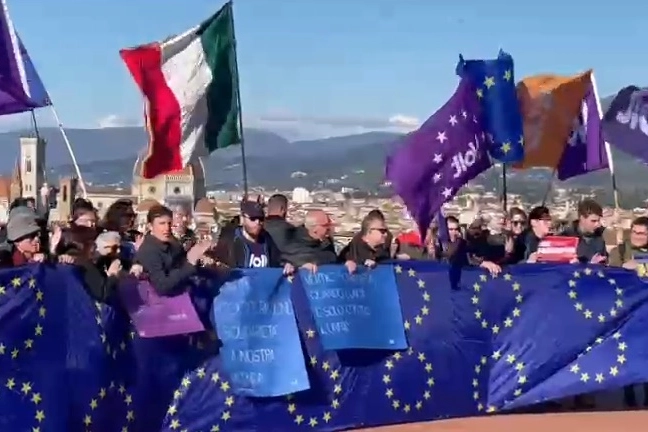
(360, 310)
(261, 350)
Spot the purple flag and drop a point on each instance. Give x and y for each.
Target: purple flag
(585, 149)
(444, 154)
(21, 89)
(625, 124)
(157, 316)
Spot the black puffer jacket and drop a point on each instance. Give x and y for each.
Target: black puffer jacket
(302, 249)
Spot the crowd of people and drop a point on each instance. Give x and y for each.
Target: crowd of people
(261, 236)
(169, 252)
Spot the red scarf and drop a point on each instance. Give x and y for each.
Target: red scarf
(18, 258)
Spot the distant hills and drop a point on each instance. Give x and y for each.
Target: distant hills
(107, 156)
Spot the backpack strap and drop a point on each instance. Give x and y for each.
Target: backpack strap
(622, 252)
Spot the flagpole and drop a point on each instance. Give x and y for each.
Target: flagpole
(504, 189)
(69, 147)
(240, 109)
(608, 149)
(34, 124)
(549, 187)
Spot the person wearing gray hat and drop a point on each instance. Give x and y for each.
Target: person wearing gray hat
(21, 210)
(23, 234)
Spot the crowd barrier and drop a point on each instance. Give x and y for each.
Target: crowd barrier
(407, 342)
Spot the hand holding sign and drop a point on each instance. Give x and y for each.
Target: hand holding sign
(557, 249)
(255, 320)
(359, 310)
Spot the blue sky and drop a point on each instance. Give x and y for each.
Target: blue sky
(314, 68)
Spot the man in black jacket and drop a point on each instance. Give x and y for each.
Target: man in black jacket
(591, 246)
(164, 258)
(250, 246)
(275, 223)
(526, 243)
(370, 246)
(311, 244)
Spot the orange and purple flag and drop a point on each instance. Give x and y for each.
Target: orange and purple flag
(549, 105)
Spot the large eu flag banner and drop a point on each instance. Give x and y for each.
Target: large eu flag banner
(477, 344)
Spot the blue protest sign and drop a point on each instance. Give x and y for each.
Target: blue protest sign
(255, 320)
(360, 310)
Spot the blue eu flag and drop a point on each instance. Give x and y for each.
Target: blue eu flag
(477, 344)
(502, 118)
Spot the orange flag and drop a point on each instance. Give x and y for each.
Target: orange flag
(549, 106)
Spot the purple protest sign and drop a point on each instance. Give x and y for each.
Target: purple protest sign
(157, 316)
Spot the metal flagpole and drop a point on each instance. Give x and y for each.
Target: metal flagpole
(34, 124)
(549, 187)
(504, 189)
(69, 147)
(608, 149)
(240, 110)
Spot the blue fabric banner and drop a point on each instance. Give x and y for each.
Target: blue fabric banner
(478, 344)
(255, 320)
(360, 310)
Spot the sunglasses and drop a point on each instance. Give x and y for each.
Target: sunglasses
(256, 218)
(380, 230)
(518, 222)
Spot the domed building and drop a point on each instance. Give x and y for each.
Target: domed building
(187, 185)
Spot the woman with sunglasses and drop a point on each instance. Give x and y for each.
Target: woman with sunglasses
(517, 221)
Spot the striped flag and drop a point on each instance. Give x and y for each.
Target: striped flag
(190, 83)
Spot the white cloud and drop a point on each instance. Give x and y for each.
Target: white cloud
(298, 127)
(23, 121)
(116, 121)
(311, 127)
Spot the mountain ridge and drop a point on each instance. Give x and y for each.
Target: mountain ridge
(107, 156)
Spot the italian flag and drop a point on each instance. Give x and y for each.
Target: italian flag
(190, 85)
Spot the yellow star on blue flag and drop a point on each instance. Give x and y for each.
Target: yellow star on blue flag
(494, 81)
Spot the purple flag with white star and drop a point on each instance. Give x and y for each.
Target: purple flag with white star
(444, 154)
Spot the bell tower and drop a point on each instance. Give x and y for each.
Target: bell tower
(32, 167)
